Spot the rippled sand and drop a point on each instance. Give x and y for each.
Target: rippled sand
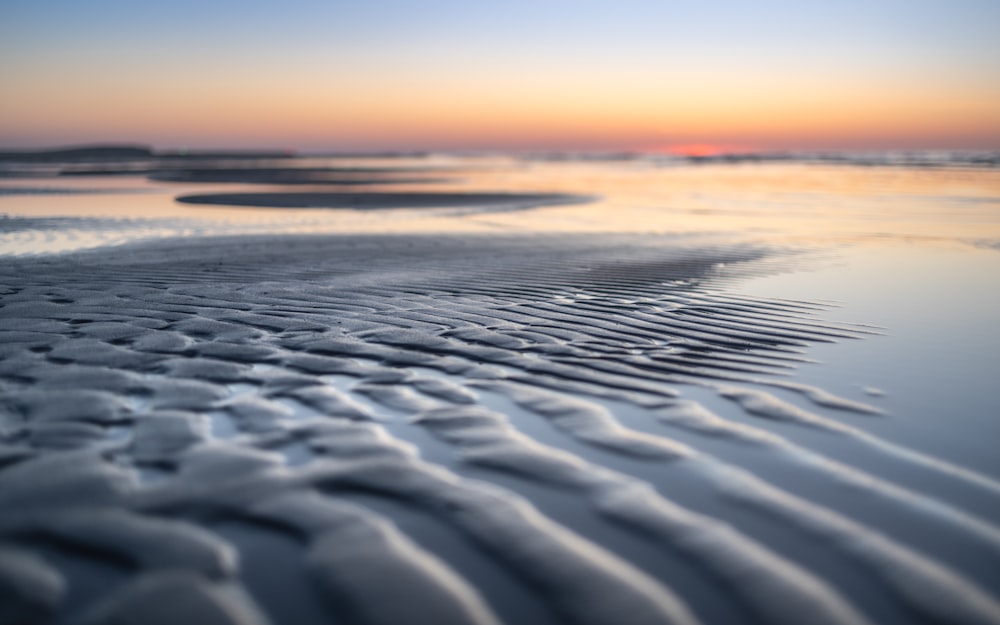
(470, 413)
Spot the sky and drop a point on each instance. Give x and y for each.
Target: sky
(334, 75)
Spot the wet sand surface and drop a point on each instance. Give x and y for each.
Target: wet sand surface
(377, 200)
(580, 413)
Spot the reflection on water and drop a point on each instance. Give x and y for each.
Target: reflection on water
(621, 383)
(871, 231)
(910, 248)
(778, 201)
(937, 363)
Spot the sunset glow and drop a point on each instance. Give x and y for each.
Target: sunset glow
(702, 149)
(637, 76)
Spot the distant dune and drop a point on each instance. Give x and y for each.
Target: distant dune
(77, 153)
(102, 151)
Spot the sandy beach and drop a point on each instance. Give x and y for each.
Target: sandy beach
(496, 390)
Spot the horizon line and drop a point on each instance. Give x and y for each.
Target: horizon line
(683, 150)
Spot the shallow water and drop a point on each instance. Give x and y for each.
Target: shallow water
(779, 202)
(756, 392)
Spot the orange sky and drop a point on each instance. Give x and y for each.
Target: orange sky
(402, 91)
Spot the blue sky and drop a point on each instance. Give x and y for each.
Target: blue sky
(942, 56)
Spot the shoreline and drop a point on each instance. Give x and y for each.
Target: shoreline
(512, 422)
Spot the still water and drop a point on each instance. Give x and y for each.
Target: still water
(912, 250)
(549, 287)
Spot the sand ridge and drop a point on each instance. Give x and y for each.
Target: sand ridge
(206, 392)
(385, 200)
